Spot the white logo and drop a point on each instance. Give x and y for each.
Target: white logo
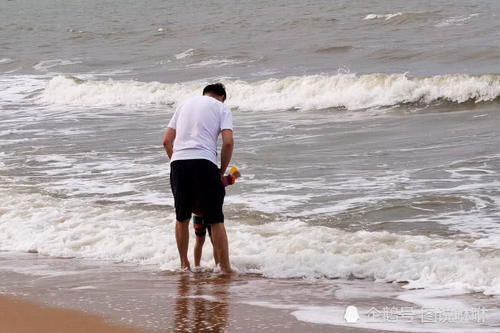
(351, 314)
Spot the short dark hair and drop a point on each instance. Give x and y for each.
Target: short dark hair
(216, 89)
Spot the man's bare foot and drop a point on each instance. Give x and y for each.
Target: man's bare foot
(227, 272)
(185, 266)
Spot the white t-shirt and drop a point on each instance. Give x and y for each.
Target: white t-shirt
(198, 123)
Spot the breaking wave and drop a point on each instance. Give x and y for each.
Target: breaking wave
(349, 91)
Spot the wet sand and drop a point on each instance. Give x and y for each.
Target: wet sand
(42, 294)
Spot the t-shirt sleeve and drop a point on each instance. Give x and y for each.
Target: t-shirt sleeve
(173, 122)
(226, 120)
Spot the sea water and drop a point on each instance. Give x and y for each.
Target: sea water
(366, 133)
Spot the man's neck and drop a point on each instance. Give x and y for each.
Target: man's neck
(217, 97)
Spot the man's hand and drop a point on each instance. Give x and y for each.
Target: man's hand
(168, 141)
(227, 150)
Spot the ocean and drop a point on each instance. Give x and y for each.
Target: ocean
(366, 133)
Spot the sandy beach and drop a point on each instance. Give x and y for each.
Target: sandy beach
(25, 317)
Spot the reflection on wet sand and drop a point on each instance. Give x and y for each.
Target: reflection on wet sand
(196, 307)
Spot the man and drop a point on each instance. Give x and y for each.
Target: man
(191, 144)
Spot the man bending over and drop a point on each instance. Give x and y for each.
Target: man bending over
(191, 144)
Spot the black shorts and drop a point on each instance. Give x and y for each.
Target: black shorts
(197, 182)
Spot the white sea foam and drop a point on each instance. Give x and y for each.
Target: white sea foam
(6, 61)
(456, 20)
(386, 17)
(273, 203)
(216, 63)
(266, 72)
(185, 54)
(348, 91)
(84, 288)
(74, 91)
(45, 65)
(80, 228)
(20, 88)
(114, 179)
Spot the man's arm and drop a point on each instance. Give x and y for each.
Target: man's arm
(168, 141)
(227, 150)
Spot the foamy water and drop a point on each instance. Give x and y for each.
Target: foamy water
(73, 228)
(330, 223)
(348, 91)
(367, 140)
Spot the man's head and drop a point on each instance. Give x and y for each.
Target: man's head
(216, 90)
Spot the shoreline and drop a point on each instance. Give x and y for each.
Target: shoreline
(22, 316)
(115, 297)
(44, 294)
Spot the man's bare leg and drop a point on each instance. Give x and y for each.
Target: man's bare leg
(182, 238)
(216, 258)
(198, 247)
(221, 249)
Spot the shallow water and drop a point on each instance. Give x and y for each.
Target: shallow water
(366, 134)
(180, 302)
